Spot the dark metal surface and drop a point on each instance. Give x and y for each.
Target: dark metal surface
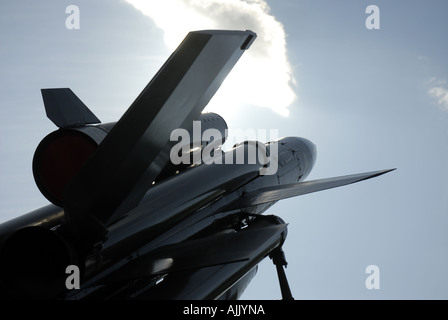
(208, 280)
(60, 155)
(134, 152)
(65, 109)
(48, 217)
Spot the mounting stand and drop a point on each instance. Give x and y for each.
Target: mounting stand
(278, 258)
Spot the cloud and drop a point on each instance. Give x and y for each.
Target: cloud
(263, 76)
(441, 94)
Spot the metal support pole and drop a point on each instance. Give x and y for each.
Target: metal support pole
(278, 258)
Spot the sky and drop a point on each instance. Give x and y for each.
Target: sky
(370, 99)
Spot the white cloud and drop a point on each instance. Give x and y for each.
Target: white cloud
(441, 94)
(263, 76)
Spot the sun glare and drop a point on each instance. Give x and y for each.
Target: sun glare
(263, 77)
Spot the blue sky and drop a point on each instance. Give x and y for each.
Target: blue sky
(368, 99)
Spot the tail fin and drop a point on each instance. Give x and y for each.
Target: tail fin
(65, 109)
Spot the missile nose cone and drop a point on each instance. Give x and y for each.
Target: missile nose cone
(311, 148)
(304, 151)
